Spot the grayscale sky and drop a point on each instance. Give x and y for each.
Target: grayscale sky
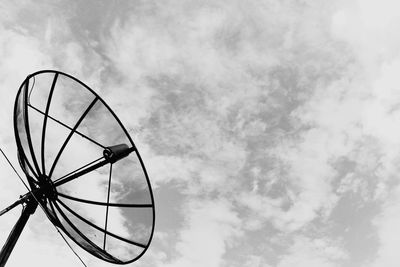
(270, 129)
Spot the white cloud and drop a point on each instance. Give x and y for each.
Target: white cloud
(313, 252)
(369, 28)
(389, 235)
(209, 228)
(213, 90)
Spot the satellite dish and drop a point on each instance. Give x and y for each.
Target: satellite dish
(82, 167)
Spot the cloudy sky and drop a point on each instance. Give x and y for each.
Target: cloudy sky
(269, 129)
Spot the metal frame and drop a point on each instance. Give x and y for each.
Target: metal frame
(50, 201)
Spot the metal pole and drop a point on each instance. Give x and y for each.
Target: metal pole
(12, 239)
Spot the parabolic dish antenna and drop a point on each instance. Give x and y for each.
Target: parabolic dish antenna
(82, 167)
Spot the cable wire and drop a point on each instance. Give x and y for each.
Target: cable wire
(68, 244)
(12, 166)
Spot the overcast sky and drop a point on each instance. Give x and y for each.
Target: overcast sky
(270, 129)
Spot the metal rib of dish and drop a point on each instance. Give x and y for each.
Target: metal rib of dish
(83, 167)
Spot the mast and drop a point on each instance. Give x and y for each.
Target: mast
(28, 210)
